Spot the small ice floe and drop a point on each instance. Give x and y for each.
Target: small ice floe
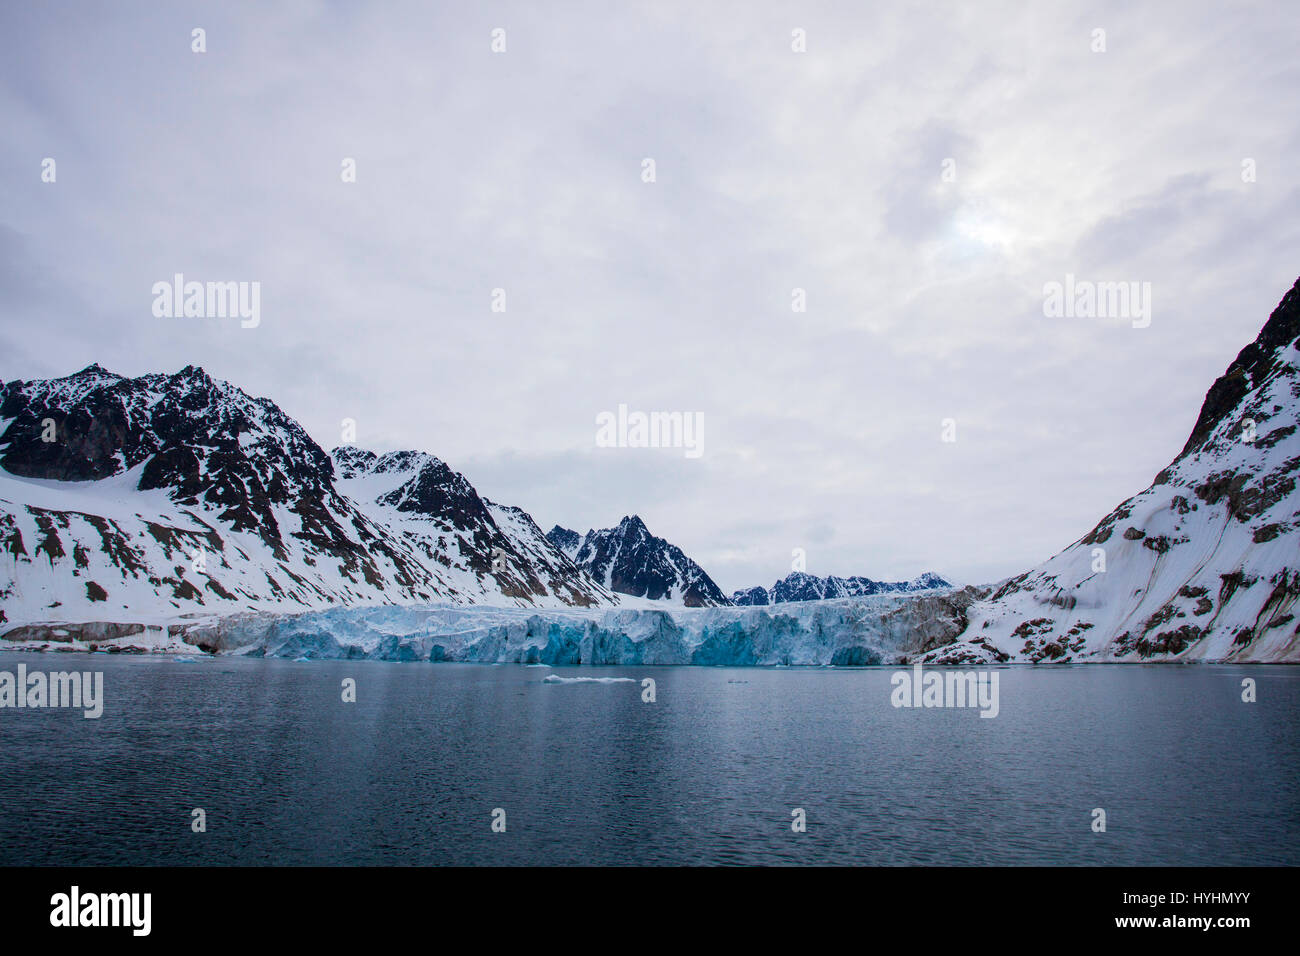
(302, 660)
(737, 682)
(557, 679)
(183, 659)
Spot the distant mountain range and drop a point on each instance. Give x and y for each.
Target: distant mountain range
(799, 586)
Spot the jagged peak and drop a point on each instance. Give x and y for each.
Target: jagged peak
(94, 369)
(87, 376)
(370, 462)
(1249, 369)
(192, 372)
(349, 459)
(800, 576)
(71, 387)
(632, 523)
(927, 577)
(566, 539)
(351, 451)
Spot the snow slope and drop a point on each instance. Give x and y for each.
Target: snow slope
(1202, 565)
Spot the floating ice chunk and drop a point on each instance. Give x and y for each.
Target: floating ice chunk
(557, 679)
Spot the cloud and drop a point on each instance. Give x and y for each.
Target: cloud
(775, 170)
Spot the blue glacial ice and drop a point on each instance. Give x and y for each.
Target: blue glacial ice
(881, 629)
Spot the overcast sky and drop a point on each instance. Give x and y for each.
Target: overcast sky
(774, 170)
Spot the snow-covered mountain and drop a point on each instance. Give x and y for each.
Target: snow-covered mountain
(417, 496)
(1202, 565)
(146, 499)
(630, 560)
(800, 586)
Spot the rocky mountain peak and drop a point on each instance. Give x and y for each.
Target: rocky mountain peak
(629, 559)
(564, 539)
(1253, 364)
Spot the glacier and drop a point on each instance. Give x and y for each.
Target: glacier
(845, 632)
(938, 627)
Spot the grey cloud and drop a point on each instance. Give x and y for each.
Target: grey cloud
(775, 170)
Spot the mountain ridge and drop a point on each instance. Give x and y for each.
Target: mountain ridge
(168, 495)
(801, 586)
